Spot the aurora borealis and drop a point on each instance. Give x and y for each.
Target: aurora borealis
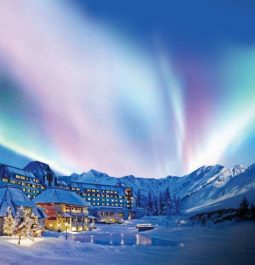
(145, 89)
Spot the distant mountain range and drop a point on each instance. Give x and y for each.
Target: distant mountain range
(207, 188)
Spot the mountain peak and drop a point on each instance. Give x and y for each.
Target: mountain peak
(238, 169)
(95, 172)
(207, 168)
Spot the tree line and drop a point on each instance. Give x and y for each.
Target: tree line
(158, 204)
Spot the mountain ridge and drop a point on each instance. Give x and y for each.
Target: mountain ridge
(205, 187)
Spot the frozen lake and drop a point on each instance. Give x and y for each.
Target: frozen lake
(126, 239)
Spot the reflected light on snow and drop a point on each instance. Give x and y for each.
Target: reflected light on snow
(143, 240)
(26, 242)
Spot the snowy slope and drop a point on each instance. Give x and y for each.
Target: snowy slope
(208, 186)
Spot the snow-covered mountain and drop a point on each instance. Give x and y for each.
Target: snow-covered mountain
(207, 187)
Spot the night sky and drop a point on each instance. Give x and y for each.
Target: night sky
(149, 88)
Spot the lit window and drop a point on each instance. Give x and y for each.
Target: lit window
(5, 180)
(20, 177)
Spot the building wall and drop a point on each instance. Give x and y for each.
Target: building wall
(57, 222)
(99, 197)
(30, 185)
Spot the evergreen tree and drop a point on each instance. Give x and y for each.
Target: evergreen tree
(138, 199)
(243, 208)
(8, 226)
(168, 204)
(161, 204)
(167, 196)
(149, 205)
(253, 211)
(20, 228)
(176, 205)
(35, 230)
(155, 206)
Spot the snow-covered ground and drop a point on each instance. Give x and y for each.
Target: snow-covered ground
(221, 244)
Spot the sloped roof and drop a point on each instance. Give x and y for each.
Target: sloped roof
(14, 197)
(55, 195)
(16, 171)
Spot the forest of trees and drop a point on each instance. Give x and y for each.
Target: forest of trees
(158, 204)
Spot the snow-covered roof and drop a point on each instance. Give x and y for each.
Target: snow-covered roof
(18, 171)
(15, 171)
(14, 197)
(55, 195)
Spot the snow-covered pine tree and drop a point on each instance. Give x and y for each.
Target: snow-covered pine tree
(161, 204)
(155, 206)
(20, 228)
(35, 226)
(243, 208)
(138, 199)
(8, 226)
(176, 205)
(168, 203)
(253, 211)
(149, 204)
(29, 223)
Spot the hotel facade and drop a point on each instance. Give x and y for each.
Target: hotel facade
(108, 203)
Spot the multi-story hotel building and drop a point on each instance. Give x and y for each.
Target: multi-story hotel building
(22, 179)
(108, 203)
